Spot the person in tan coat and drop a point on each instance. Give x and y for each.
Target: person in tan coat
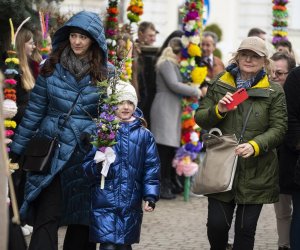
(215, 65)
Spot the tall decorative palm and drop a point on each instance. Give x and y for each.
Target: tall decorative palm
(194, 73)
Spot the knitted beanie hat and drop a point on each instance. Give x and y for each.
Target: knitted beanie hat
(126, 92)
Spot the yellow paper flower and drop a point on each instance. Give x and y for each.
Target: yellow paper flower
(129, 71)
(128, 63)
(279, 33)
(15, 60)
(10, 124)
(194, 50)
(137, 2)
(186, 159)
(12, 60)
(198, 74)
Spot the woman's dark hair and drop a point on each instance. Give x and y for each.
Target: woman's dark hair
(98, 71)
(284, 43)
(95, 55)
(176, 33)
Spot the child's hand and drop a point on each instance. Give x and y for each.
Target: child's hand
(149, 207)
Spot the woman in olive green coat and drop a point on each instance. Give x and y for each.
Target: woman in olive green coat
(256, 179)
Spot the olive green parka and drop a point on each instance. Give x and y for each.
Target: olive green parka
(256, 178)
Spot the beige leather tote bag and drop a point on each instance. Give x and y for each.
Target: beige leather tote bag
(217, 169)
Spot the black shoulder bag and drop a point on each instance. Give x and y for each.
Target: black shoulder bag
(40, 150)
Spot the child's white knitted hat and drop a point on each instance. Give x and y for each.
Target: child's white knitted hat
(126, 92)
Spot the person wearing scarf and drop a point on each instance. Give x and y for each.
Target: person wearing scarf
(256, 178)
(68, 77)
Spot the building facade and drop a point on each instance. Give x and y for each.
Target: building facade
(235, 17)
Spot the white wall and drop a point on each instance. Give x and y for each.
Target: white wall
(74, 6)
(235, 17)
(164, 15)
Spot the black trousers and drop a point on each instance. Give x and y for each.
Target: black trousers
(219, 220)
(47, 215)
(109, 246)
(19, 179)
(166, 155)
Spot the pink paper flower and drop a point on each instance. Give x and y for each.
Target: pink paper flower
(9, 133)
(10, 81)
(186, 167)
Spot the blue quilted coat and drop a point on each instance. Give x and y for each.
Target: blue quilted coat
(116, 214)
(50, 101)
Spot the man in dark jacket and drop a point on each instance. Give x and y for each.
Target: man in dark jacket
(290, 152)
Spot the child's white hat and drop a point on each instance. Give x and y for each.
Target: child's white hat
(126, 92)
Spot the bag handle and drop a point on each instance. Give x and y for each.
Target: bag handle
(209, 136)
(213, 130)
(245, 123)
(211, 139)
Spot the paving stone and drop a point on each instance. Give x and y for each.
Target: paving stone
(179, 225)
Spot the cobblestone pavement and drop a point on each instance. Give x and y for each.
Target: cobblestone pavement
(180, 225)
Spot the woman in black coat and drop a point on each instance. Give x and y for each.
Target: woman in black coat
(290, 153)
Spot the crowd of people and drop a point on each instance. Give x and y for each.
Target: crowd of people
(59, 97)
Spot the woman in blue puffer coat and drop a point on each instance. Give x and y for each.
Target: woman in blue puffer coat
(116, 214)
(69, 76)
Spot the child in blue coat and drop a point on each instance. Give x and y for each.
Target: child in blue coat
(116, 210)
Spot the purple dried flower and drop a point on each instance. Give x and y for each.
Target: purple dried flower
(181, 152)
(192, 15)
(105, 107)
(110, 118)
(102, 149)
(103, 115)
(112, 136)
(185, 53)
(189, 33)
(193, 148)
(280, 2)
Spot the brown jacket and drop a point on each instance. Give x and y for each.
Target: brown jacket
(217, 68)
